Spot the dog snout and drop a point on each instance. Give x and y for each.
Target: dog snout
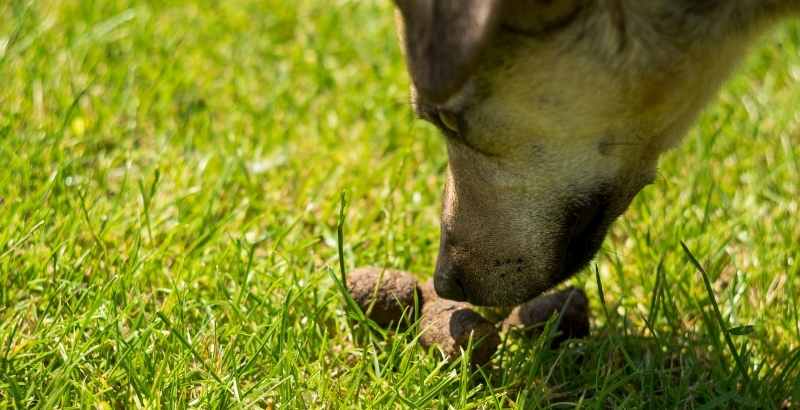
(494, 265)
(448, 280)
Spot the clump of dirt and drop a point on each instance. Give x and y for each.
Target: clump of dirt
(385, 295)
(452, 326)
(389, 296)
(572, 306)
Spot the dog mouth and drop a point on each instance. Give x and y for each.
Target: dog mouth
(584, 237)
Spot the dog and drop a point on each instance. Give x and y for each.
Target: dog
(555, 113)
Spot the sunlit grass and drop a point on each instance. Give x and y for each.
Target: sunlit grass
(170, 181)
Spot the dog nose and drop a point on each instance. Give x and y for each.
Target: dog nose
(449, 284)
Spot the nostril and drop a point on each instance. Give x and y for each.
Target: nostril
(460, 286)
(449, 286)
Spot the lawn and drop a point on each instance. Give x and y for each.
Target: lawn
(171, 177)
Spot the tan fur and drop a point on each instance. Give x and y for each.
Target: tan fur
(572, 116)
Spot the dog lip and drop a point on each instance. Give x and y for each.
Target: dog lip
(583, 240)
(503, 301)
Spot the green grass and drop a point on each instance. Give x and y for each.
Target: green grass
(170, 181)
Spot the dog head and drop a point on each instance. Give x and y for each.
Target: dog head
(555, 113)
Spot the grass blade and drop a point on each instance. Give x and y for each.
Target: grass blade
(725, 331)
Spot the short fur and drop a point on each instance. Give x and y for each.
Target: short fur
(555, 113)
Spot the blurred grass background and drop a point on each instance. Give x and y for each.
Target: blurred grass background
(170, 175)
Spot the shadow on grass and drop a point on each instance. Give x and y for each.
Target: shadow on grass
(617, 368)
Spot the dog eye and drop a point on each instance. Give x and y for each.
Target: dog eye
(449, 120)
